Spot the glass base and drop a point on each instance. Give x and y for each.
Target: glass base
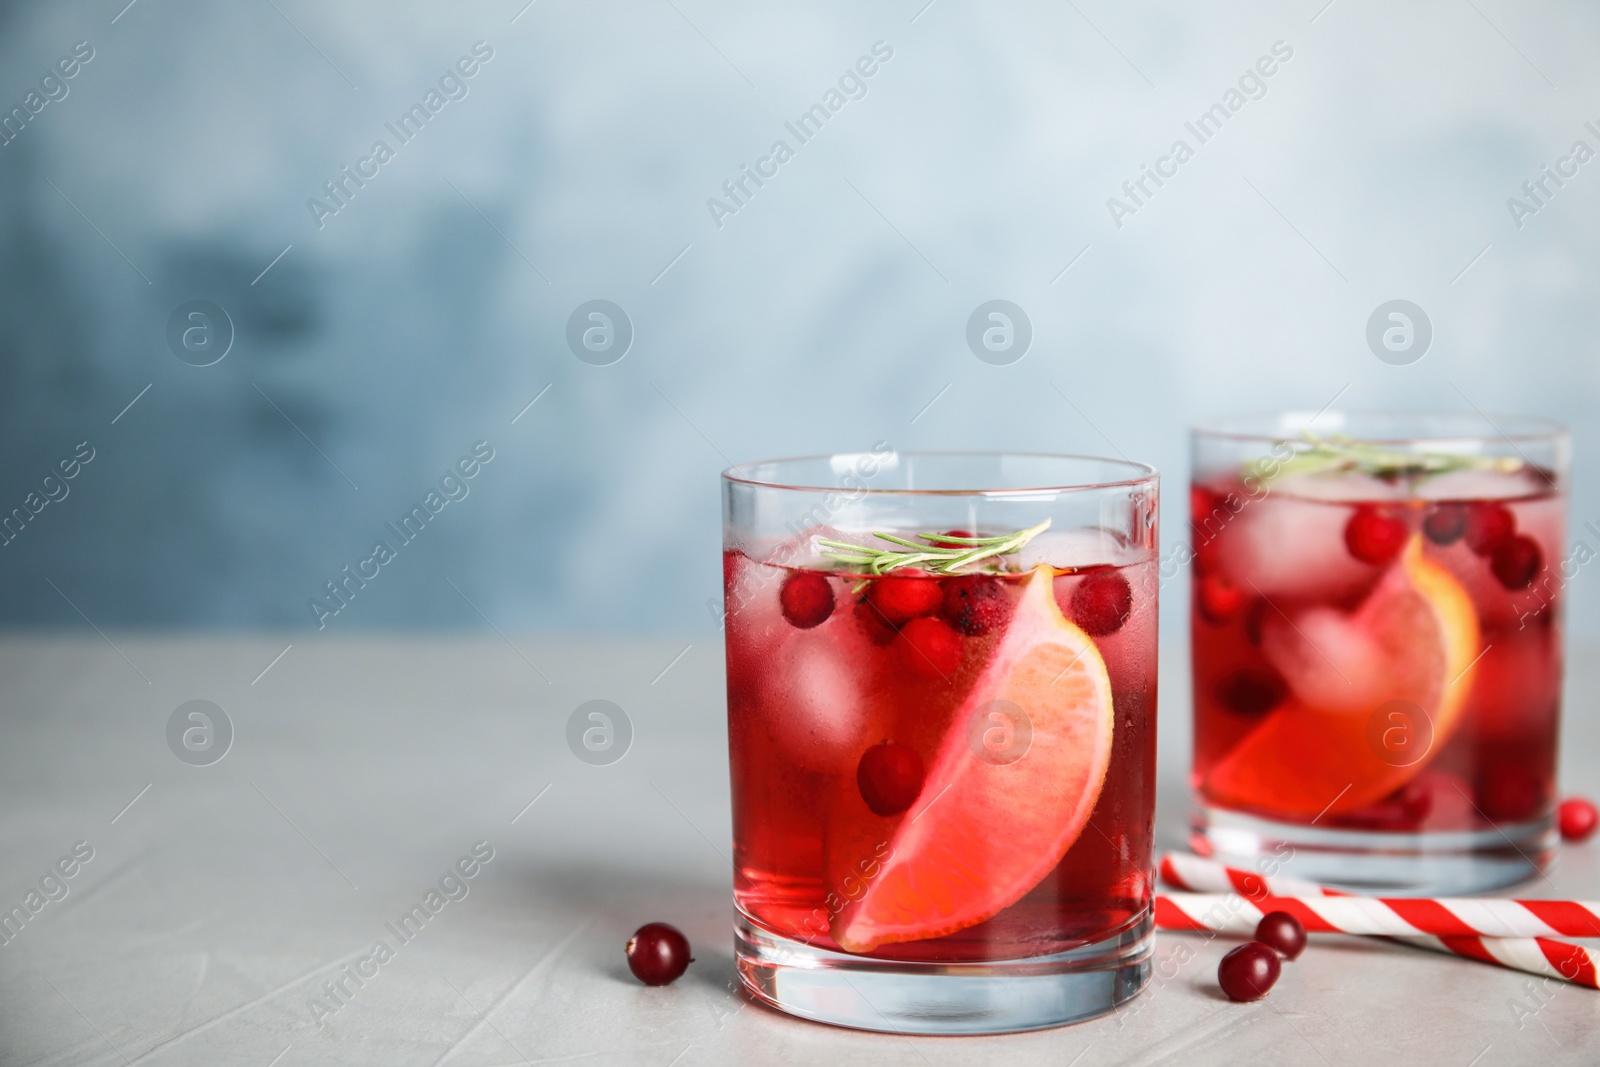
(994, 997)
(1378, 863)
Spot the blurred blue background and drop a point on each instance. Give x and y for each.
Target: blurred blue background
(374, 346)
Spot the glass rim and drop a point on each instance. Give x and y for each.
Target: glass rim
(1145, 474)
(1241, 427)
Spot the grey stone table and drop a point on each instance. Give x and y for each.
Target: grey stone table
(222, 902)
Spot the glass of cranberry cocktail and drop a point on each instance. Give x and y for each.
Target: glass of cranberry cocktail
(941, 726)
(1376, 624)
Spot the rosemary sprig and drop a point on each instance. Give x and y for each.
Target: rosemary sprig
(943, 554)
(1339, 454)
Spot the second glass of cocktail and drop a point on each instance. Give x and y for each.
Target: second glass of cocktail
(1376, 621)
(941, 719)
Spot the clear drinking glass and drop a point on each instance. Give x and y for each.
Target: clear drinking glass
(943, 746)
(1376, 624)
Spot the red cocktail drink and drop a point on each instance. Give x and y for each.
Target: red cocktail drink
(942, 745)
(1377, 653)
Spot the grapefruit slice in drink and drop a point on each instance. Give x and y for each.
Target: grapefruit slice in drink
(1011, 787)
(1349, 733)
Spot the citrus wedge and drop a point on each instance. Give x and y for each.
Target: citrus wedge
(1414, 639)
(1013, 783)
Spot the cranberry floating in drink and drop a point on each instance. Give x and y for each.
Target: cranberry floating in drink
(1376, 628)
(941, 718)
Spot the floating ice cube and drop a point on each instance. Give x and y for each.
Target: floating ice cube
(803, 549)
(1329, 661)
(1090, 546)
(1291, 548)
(1481, 485)
(816, 686)
(1348, 487)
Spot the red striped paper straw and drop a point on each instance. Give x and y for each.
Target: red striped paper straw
(1319, 909)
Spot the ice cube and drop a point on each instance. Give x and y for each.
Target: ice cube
(1089, 546)
(751, 593)
(1346, 487)
(1329, 661)
(1289, 548)
(803, 549)
(1480, 485)
(813, 696)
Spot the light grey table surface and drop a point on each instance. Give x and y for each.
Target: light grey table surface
(219, 902)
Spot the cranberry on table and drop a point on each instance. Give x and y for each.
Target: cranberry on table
(1249, 971)
(889, 777)
(901, 599)
(806, 599)
(1374, 536)
(929, 647)
(1445, 523)
(658, 953)
(1516, 561)
(1282, 932)
(1101, 603)
(975, 604)
(1577, 818)
(1489, 526)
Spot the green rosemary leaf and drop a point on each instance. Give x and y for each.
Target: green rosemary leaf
(943, 554)
(1338, 454)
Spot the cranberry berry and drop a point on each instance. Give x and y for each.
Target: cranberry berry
(1416, 799)
(889, 777)
(938, 540)
(975, 604)
(1251, 691)
(1577, 818)
(1488, 527)
(658, 953)
(1516, 561)
(1445, 523)
(1374, 536)
(880, 631)
(1220, 599)
(1101, 603)
(929, 647)
(1283, 932)
(1249, 971)
(903, 599)
(807, 599)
